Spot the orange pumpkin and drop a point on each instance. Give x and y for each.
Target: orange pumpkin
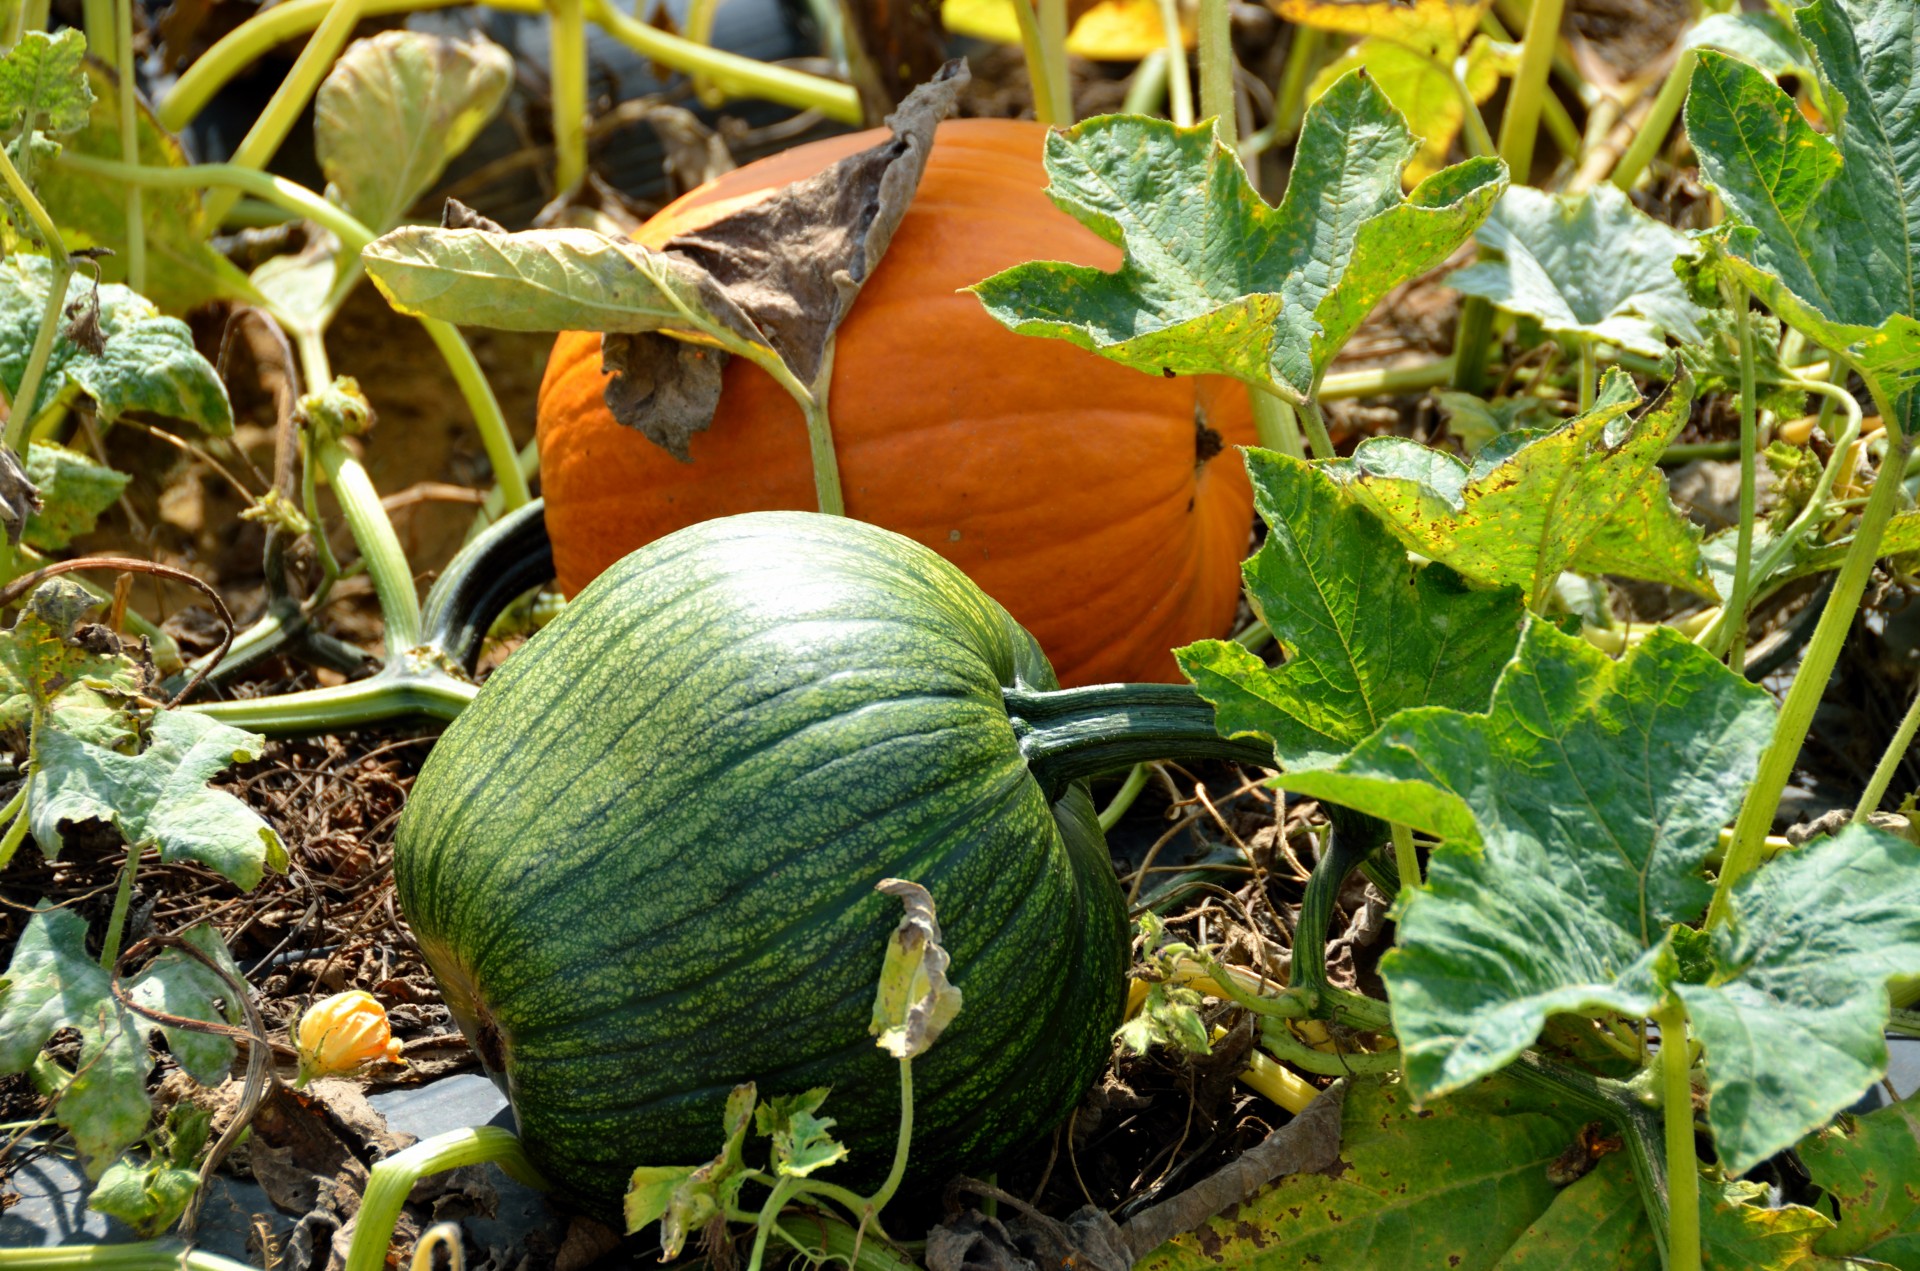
(1106, 509)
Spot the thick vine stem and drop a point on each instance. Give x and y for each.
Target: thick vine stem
(1522, 120)
(1069, 734)
(289, 100)
(393, 1178)
(20, 417)
(1274, 422)
(567, 81)
(130, 143)
(149, 1255)
(735, 75)
(1739, 602)
(1659, 121)
(1683, 1169)
(380, 548)
(1816, 667)
(1216, 73)
(403, 694)
(1889, 762)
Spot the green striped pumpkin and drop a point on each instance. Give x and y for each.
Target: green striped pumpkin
(642, 864)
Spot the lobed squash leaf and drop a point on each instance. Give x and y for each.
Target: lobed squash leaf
(1587, 496)
(132, 359)
(1216, 281)
(1824, 228)
(159, 797)
(1590, 267)
(54, 983)
(1366, 633)
(1575, 816)
(1793, 1011)
(395, 108)
(1870, 1166)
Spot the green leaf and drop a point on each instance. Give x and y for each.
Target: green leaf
(1824, 229)
(148, 1196)
(1365, 632)
(1870, 1166)
(74, 491)
(1214, 280)
(1587, 496)
(801, 1142)
(1454, 1183)
(80, 685)
(158, 798)
(53, 983)
(1792, 1018)
(184, 270)
(1576, 815)
(41, 84)
(146, 362)
(1589, 267)
(395, 108)
(177, 983)
(1597, 1223)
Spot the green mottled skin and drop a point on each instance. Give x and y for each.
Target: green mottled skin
(644, 859)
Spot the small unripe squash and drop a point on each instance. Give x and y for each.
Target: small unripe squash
(1107, 510)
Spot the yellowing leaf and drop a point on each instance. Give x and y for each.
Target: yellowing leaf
(1435, 25)
(1111, 31)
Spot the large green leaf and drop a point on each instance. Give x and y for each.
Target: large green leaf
(1793, 1014)
(1826, 229)
(395, 108)
(1214, 280)
(1588, 496)
(184, 270)
(1454, 1183)
(1576, 815)
(1870, 1165)
(1366, 633)
(1592, 267)
(54, 983)
(41, 85)
(158, 798)
(143, 362)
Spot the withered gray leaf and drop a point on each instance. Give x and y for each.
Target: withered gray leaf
(665, 388)
(793, 263)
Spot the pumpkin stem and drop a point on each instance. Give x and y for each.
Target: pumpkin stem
(1068, 734)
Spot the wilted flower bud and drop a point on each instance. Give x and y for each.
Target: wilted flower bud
(340, 1033)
